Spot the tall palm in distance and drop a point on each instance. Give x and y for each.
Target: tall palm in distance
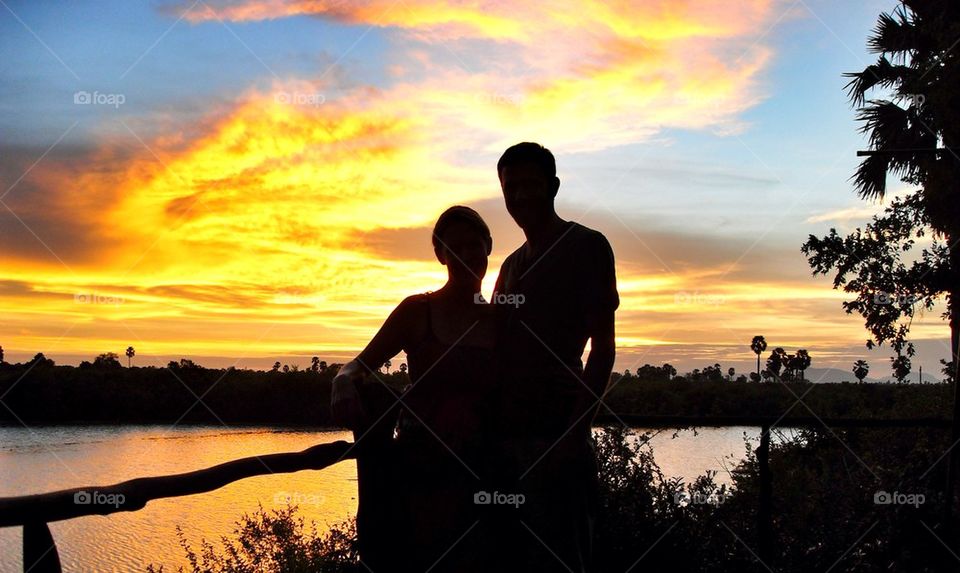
(758, 345)
(130, 354)
(860, 370)
(802, 361)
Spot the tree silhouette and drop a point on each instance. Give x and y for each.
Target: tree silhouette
(403, 367)
(387, 366)
(802, 361)
(860, 370)
(107, 360)
(41, 361)
(130, 354)
(315, 364)
(276, 367)
(758, 345)
(776, 361)
(913, 134)
(1, 355)
(669, 370)
(731, 372)
(901, 367)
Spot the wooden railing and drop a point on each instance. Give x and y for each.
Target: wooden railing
(35, 512)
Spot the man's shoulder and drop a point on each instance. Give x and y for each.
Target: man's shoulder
(513, 257)
(583, 235)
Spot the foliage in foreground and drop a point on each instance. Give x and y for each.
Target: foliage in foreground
(825, 513)
(277, 541)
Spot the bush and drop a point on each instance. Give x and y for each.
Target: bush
(275, 542)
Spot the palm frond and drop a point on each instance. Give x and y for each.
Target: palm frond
(870, 180)
(885, 122)
(881, 74)
(895, 33)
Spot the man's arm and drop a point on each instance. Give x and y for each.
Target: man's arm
(603, 351)
(602, 301)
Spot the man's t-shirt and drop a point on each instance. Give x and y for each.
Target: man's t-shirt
(542, 303)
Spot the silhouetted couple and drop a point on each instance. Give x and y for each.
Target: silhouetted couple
(485, 461)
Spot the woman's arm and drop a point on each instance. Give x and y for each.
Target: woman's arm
(345, 404)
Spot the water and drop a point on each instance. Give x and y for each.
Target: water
(45, 459)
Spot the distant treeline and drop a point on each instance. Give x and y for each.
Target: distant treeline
(184, 392)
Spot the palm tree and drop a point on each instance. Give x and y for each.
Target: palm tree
(802, 361)
(777, 360)
(276, 366)
(130, 354)
(403, 367)
(915, 133)
(731, 372)
(315, 364)
(860, 370)
(387, 366)
(758, 345)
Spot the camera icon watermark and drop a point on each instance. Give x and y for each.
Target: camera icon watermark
(96, 98)
(297, 498)
(83, 497)
(896, 498)
(497, 498)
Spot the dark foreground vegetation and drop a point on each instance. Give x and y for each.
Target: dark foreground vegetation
(828, 513)
(183, 392)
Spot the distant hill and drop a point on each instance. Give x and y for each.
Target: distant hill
(880, 375)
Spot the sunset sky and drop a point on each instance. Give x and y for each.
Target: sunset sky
(239, 182)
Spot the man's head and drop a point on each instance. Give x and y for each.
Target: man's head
(528, 179)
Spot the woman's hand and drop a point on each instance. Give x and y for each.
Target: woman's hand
(345, 405)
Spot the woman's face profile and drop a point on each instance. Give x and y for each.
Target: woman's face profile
(463, 250)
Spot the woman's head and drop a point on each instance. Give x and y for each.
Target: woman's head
(462, 242)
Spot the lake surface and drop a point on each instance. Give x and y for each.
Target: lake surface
(43, 459)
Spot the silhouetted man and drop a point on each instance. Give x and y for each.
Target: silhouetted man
(553, 294)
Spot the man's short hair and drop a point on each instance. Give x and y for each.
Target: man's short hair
(529, 152)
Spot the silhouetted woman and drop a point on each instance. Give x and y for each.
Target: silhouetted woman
(417, 477)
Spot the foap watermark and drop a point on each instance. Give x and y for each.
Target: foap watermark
(98, 498)
(300, 98)
(683, 498)
(914, 100)
(97, 298)
(698, 298)
(499, 98)
(498, 498)
(297, 498)
(511, 299)
(885, 298)
(96, 98)
(896, 498)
